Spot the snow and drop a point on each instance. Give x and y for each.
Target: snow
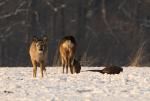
(17, 84)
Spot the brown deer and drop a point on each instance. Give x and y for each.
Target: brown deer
(38, 53)
(67, 48)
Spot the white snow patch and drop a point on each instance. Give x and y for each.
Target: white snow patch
(17, 84)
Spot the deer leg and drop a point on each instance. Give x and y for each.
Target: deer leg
(67, 65)
(67, 69)
(63, 64)
(34, 68)
(42, 68)
(71, 66)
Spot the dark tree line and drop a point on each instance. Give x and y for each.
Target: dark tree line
(107, 31)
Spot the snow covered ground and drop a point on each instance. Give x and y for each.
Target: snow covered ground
(17, 84)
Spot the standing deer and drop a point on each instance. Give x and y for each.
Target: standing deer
(67, 48)
(38, 53)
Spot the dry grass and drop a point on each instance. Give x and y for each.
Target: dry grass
(137, 57)
(87, 61)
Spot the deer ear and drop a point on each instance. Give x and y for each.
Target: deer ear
(45, 38)
(35, 38)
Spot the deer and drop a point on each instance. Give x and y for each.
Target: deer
(38, 52)
(67, 49)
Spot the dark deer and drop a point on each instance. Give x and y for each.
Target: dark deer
(76, 66)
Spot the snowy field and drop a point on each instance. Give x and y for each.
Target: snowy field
(17, 84)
